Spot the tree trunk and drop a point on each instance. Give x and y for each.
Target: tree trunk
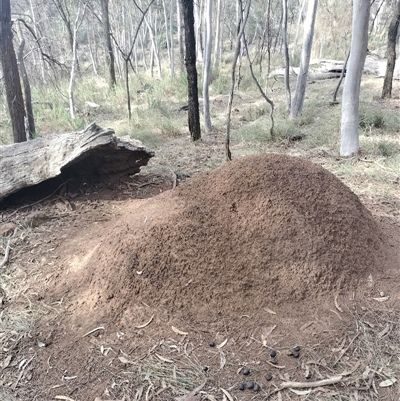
(349, 142)
(38, 40)
(190, 62)
(112, 82)
(391, 53)
(169, 37)
(240, 29)
(12, 83)
(207, 65)
(286, 53)
(298, 101)
(74, 62)
(27, 87)
(181, 39)
(217, 44)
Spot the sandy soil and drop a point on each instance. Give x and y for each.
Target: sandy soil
(115, 296)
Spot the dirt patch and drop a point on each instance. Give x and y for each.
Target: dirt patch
(268, 251)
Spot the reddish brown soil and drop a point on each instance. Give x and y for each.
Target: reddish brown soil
(254, 252)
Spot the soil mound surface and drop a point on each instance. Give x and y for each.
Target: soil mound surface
(261, 230)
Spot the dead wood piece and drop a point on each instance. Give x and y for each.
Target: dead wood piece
(92, 152)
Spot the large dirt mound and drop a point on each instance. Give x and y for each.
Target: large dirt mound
(260, 230)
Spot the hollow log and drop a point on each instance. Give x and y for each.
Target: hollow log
(92, 152)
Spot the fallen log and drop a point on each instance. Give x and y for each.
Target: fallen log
(92, 152)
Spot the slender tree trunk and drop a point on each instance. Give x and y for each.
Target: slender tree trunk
(181, 40)
(171, 37)
(296, 37)
(342, 75)
(167, 40)
(263, 94)
(12, 83)
(74, 62)
(190, 61)
(298, 101)
(349, 142)
(286, 53)
(207, 65)
(198, 29)
(38, 40)
(217, 34)
(90, 46)
(241, 26)
(110, 60)
(30, 131)
(391, 53)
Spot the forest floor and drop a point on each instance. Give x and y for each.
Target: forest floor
(134, 289)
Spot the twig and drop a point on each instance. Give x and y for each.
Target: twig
(379, 165)
(93, 331)
(6, 254)
(14, 386)
(319, 383)
(275, 366)
(8, 247)
(345, 350)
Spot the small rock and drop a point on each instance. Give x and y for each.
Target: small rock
(211, 344)
(272, 353)
(256, 387)
(296, 348)
(249, 385)
(295, 354)
(241, 386)
(246, 371)
(205, 368)
(268, 377)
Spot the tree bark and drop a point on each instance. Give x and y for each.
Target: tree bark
(391, 53)
(11, 77)
(191, 70)
(298, 101)
(207, 65)
(110, 61)
(349, 142)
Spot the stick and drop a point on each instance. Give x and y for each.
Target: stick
(94, 330)
(319, 383)
(345, 350)
(6, 254)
